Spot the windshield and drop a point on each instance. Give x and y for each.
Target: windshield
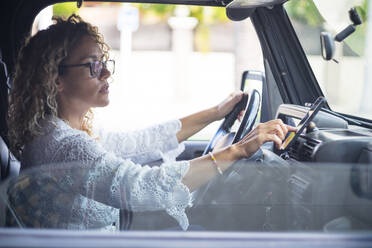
(345, 81)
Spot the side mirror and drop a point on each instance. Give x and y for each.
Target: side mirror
(327, 45)
(328, 42)
(255, 80)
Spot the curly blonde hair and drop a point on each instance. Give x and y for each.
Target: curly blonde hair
(34, 91)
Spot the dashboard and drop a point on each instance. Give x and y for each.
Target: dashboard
(329, 140)
(320, 165)
(305, 188)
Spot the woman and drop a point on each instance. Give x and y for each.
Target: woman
(60, 75)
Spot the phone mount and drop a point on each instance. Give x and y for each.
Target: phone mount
(346, 32)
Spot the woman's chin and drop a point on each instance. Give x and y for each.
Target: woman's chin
(106, 103)
(103, 103)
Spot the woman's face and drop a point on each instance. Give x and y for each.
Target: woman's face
(77, 86)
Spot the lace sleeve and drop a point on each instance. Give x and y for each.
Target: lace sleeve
(102, 176)
(144, 145)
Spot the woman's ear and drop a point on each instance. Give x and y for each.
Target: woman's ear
(59, 83)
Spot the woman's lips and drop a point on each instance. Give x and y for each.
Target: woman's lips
(104, 89)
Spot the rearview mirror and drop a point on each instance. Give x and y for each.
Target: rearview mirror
(236, 14)
(239, 10)
(251, 4)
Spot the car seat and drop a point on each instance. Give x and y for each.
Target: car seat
(10, 168)
(9, 165)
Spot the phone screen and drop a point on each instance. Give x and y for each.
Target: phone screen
(309, 116)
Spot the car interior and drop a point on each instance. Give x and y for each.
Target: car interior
(318, 182)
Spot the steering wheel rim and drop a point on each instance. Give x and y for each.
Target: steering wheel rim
(251, 111)
(227, 123)
(246, 125)
(249, 117)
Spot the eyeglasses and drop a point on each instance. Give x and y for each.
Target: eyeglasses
(95, 67)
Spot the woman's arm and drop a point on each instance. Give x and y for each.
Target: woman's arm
(194, 123)
(202, 169)
(85, 168)
(142, 146)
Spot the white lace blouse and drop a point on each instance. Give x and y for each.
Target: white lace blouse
(107, 174)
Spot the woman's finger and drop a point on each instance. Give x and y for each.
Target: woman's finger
(267, 137)
(272, 127)
(228, 104)
(276, 140)
(291, 129)
(278, 130)
(284, 127)
(241, 114)
(238, 96)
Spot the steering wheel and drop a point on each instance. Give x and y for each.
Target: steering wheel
(246, 125)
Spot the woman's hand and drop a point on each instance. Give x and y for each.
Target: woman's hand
(228, 104)
(274, 130)
(194, 123)
(203, 168)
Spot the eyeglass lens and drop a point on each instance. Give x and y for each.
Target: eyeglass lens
(97, 67)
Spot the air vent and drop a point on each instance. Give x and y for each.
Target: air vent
(307, 149)
(294, 151)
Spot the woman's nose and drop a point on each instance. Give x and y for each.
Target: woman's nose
(105, 73)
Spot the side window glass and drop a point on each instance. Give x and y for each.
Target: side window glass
(345, 80)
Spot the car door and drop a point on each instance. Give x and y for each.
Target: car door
(288, 79)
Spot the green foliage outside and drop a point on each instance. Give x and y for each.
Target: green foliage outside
(205, 15)
(362, 10)
(155, 11)
(357, 40)
(164, 11)
(161, 12)
(65, 9)
(304, 11)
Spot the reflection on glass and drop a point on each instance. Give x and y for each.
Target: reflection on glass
(249, 197)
